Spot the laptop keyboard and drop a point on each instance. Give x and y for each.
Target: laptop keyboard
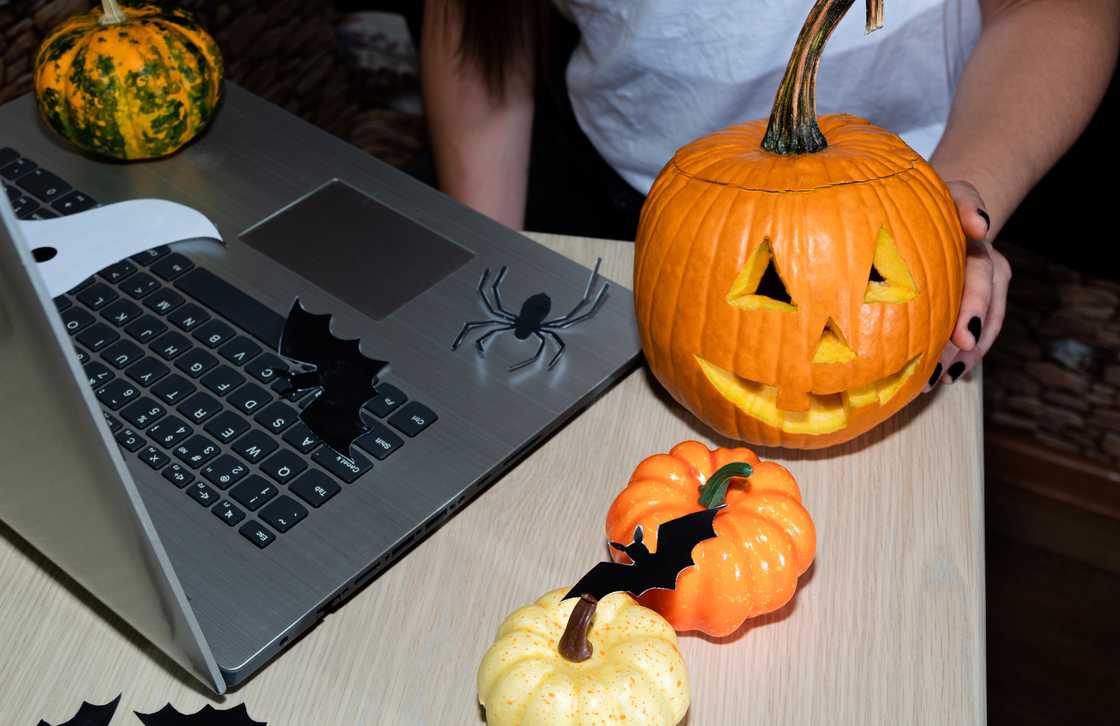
(180, 361)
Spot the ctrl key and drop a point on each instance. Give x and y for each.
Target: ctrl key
(258, 535)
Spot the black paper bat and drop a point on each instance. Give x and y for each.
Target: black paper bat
(206, 716)
(346, 376)
(89, 715)
(675, 540)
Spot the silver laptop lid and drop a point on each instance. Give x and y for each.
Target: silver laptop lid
(64, 487)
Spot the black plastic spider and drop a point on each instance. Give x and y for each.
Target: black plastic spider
(531, 319)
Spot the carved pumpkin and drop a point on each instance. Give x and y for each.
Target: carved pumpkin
(584, 663)
(795, 283)
(765, 537)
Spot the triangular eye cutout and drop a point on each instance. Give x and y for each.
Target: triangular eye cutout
(758, 285)
(889, 280)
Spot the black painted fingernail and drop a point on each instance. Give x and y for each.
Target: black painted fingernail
(956, 370)
(936, 375)
(974, 327)
(987, 219)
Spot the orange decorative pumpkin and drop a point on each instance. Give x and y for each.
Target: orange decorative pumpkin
(764, 540)
(795, 283)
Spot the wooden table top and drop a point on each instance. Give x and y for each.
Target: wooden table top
(887, 626)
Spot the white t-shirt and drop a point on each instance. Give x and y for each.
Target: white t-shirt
(649, 76)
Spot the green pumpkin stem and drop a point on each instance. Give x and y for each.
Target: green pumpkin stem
(111, 13)
(574, 645)
(714, 491)
(793, 125)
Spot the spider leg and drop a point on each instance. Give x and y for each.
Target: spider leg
(567, 323)
(481, 342)
(498, 296)
(527, 361)
(467, 327)
(583, 300)
(501, 312)
(560, 352)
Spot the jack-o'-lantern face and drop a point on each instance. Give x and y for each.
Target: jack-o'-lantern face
(797, 312)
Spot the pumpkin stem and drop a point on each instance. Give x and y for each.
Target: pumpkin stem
(793, 125)
(574, 645)
(111, 13)
(713, 491)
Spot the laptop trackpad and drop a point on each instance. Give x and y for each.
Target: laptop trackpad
(356, 248)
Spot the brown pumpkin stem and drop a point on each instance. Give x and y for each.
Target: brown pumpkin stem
(714, 491)
(793, 125)
(574, 645)
(111, 13)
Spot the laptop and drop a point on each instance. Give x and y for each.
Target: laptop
(150, 447)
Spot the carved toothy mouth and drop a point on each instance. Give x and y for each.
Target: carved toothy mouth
(826, 413)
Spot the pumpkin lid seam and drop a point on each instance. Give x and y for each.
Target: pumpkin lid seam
(913, 167)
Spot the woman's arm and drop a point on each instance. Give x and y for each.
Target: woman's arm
(1031, 85)
(480, 139)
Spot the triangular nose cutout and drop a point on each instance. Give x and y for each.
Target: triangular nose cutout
(832, 348)
(889, 280)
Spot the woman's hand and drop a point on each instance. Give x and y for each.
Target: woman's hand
(984, 302)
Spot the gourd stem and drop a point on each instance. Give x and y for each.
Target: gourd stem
(713, 491)
(793, 125)
(574, 645)
(111, 13)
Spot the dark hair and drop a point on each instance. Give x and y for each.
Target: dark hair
(498, 33)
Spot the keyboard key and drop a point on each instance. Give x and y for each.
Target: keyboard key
(118, 272)
(17, 168)
(143, 412)
(146, 328)
(266, 367)
(147, 257)
(379, 441)
(25, 208)
(413, 418)
(123, 353)
(283, 466)
(114, 425)
(83, 357)
(81, 286)
(140, 285)
(97, 296)
(283, 513)
(116, 394)
(97, 336)
(171, 266)
(188, 317)
(240, 350)
(97, 374)
(154, 458)
(254, 446)
(62, 303)
(386, 400)
(200, 407)
(253, 492)
(43, 213)
(196, 451)
(234, 305)
(170, 431)
(227, 426)
(250, 398)
(225, 511)
(202, 494)
(130, 440)
(7, 156)
(164, 300)
(314, 487)
(214, 333)
(171, 345)
(222, 380)
(257, 534)
(44, 185)
(75, 320)
(178, 475)
(277, 417)
(147, 371)
(302, 438)
(122, 312)
(225, 471)
(345, 469)
(73, 202)
(196, 362)
(173, 389)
